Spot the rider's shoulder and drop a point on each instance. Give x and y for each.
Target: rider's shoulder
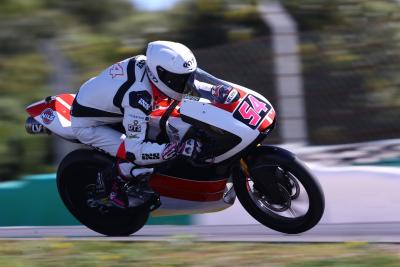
(139, 58)
(135, 62)
(141, 82)
(140, 64)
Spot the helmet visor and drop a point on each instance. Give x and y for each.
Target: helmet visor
(174, 81)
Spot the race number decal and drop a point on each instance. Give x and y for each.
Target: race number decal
(251, 111)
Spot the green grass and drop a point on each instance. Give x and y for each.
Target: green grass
(184, 252)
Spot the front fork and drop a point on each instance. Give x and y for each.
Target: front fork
(267, 179)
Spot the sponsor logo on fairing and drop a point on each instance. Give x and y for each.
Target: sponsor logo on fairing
(148, 156)
(116, 70)
(47, 116)
(252, 111)
(37, 128)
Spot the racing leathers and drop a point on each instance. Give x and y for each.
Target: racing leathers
(122, 93)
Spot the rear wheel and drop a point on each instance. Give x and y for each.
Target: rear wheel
(78, 171)
(288, 199)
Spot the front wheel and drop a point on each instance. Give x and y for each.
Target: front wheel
(279, 191)
(77, 171)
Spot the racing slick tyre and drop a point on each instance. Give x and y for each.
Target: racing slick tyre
(301, 201)
(76, 172)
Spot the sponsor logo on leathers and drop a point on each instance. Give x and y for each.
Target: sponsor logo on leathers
(144, 104)
(116, 70)
(141, 64)
(135, 127)
(148, 156)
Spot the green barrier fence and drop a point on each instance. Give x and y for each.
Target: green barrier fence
(34, 201)
(393, 162)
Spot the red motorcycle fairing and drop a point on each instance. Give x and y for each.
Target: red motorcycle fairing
(60, 104)
(174, 187)
(54, 114)
(179, 179)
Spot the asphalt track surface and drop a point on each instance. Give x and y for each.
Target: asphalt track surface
(323, 233)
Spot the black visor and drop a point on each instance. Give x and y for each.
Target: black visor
(174, 81)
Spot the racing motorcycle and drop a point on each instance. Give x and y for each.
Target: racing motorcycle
(271, 183)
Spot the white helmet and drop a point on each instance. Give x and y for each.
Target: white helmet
(169, 66)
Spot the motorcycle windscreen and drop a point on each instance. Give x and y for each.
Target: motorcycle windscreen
(200, 83)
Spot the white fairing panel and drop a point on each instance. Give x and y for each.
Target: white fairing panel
(205, 112)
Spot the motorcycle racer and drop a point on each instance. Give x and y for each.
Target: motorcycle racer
(127, 92)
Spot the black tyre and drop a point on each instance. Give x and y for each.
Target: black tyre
(76, 171)
(303, 188)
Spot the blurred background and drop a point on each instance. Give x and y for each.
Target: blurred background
(329, 67)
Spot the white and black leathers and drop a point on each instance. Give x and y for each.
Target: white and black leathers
(121, 92)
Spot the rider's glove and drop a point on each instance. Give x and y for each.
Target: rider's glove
(189, 148)
(224, 94)
(170, 151)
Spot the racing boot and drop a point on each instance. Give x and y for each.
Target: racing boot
(139, 192)
(108, 188)
(130, 188)
(117, 196)
(111, 184)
